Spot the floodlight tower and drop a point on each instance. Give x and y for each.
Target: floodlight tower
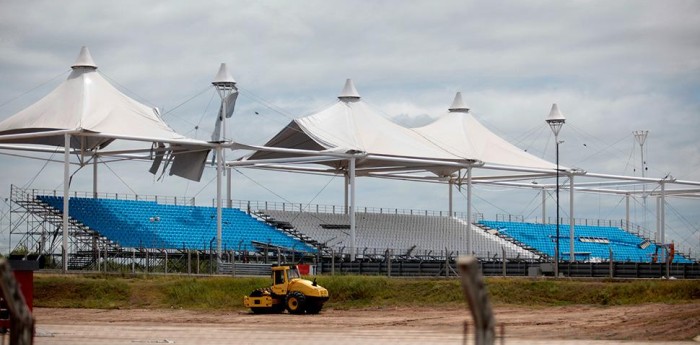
(556, 120)
(641, 136)
(225, 85)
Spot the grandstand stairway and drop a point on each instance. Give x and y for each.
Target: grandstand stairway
(289, 229)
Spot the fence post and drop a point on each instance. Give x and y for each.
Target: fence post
(332, 261)
(612, 265)
(96, 247)
(503, 251)
(189, 262)
(447, 263)
(477, 297)
(388, 254)
(106, 255)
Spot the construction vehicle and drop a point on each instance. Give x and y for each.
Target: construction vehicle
(288, 291)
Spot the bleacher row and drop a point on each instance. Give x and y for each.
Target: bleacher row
(596, 245)
(148, 224)
(134, 224)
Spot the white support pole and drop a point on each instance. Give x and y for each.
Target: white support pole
(662, 210)
(470, 248)
(225, 86)
(221, 154)
(66, 196)
(94, 176)
(219, 171)
(449, 186)
(229, 201)
(557, 251)
(544, 206)
(352, 209)
(572, 256)
(658, 218)
(627, 211)
(347, 185)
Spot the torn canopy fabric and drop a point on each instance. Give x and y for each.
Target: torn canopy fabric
(230, 102)
(188, 162)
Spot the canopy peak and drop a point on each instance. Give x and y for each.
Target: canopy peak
(349, 92)
(223, 77)
(458, 105)
(555, 115)
(84, 59)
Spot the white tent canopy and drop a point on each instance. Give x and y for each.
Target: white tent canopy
(351, 125)
(87, 103)
(459, 133)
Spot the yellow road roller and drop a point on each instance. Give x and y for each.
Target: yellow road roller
(288, 291)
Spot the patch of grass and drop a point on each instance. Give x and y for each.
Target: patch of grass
(81, 292)
(566, 292)
(210, 293)
(226, 293)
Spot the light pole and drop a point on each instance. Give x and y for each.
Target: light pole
(556, 120)
(641, 137)
(226, 87)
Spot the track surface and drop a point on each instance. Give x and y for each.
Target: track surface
(654, 323)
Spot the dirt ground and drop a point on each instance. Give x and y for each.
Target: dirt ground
(652, 322)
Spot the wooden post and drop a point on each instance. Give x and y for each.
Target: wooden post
(477, 297)
(22, 321)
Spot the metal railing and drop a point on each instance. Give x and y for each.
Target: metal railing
(161, 199)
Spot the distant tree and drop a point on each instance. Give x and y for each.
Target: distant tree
(20, 250)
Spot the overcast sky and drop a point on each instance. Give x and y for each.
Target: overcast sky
(613, 67)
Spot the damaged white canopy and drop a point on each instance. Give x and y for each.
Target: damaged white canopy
(95, 114)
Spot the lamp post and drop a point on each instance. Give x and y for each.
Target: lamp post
(556, 120)
(641, 137)
(226, 87)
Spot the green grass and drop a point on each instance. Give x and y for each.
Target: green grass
(224, 293)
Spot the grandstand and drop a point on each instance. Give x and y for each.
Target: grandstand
(131, 229)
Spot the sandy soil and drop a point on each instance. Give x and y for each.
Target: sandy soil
(653, 322)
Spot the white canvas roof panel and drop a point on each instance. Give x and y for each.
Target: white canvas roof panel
(87, 102)
(351, 124)
(461, 134)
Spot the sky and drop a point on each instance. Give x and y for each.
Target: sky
(612, 67)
